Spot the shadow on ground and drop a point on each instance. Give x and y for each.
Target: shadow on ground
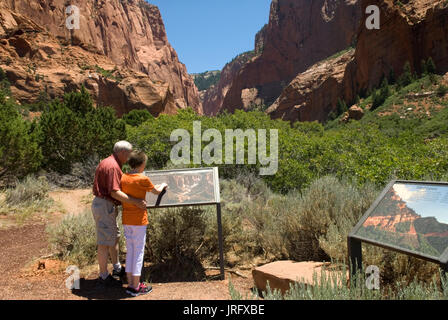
(90, 289)
(175, 270)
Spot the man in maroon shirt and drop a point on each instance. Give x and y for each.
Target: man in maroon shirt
(108, 195)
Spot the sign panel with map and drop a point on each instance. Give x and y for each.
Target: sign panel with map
(185, 187)
(411, 217)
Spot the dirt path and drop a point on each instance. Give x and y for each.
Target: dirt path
(25, 278)
(72, 201)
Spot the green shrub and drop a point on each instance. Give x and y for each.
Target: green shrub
(406, 77)
(137, 117)
(442, 90)
(19, 151)
(330, 209)
(73, 130)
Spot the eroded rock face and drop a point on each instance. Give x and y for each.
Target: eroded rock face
(215, 95)
(126, 34)
(412, 32)
(299, 34)
(313, 94)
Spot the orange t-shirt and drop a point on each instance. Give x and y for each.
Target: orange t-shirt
(136, 186)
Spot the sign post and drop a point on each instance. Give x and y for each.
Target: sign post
(189, 187)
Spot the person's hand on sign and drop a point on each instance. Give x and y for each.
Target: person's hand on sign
(159, 188)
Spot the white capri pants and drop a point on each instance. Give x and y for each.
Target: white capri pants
(135, 247)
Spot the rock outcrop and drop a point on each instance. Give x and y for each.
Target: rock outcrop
(312, 95)
(39, 53)
(282, 274)
(412, 32)
(299, 34)
(214, 96)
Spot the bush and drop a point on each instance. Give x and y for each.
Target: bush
(74, 239)
(379, 97)
(137, 117)
(73, 130)
(406, 77)
(28, 197)
(19, 150)
(28, 191)
(330, 209)
(336, 286)
(442, 90)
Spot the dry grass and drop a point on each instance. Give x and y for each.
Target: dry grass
(28, 198)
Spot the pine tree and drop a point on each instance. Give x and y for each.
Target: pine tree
(406, 77)
(341, 107)
(424, 68)
(431, 66)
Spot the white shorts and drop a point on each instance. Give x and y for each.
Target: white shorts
(135, 246)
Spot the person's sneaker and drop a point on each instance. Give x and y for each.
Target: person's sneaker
(142, 289)
(109, 282)
(119, 274)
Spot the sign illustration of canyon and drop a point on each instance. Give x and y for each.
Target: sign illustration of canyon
(411, 216)
(184, 187)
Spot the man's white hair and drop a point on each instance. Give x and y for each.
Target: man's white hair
(122, 146)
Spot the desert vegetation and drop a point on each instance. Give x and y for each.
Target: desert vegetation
(329, 174)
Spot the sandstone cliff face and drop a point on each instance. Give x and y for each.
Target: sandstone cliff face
(313, 94)
(214, 96)
(299, 34)
(126, 35)
(413, 32)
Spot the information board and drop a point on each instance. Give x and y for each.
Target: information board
(411, 217)
(186, 187)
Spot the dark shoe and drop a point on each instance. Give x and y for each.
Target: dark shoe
(119, 274)
(109, 282)
(142, 290)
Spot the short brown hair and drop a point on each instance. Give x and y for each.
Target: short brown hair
(137, 158)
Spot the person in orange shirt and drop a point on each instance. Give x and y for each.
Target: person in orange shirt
(135, 220)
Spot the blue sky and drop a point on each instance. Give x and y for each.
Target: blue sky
(209, 33)
(427, 201)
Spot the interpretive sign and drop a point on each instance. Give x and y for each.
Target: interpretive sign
(409, 217)
(189, 187)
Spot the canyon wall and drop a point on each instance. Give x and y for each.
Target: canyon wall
(413, 31)
(299, 34)
(126, 35)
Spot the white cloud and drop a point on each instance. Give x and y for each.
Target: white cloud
(407, 194)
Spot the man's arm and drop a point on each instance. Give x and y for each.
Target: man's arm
(123, 197)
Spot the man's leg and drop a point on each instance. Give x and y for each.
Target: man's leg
(113, 251)
(103, 254)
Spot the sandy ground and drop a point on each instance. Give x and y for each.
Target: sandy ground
(72, 201)
(29, 272)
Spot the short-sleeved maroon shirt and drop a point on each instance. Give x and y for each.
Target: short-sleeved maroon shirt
(108, 178)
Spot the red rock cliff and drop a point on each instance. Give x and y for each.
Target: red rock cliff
(126, 34)
(415, 30)
(299, 34)
(410, 32)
